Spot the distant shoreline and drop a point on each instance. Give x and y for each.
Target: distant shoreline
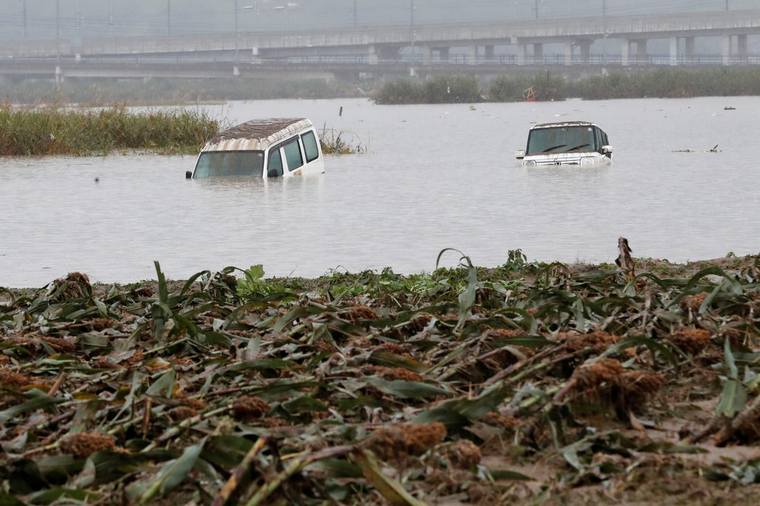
(512, 86)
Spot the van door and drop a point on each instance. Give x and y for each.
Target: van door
(274, 164)
(310, 146)
(291, 151)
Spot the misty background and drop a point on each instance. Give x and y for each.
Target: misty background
(82, 19)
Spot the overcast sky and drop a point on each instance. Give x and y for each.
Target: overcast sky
(92, 18)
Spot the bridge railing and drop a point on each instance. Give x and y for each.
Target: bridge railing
(348, 61)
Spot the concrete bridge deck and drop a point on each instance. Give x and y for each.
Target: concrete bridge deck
(379, 38)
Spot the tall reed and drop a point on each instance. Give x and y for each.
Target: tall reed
(60, 131)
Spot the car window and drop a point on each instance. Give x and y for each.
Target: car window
(310, 146)
(229, 163)
(275, 163)
(293, 155)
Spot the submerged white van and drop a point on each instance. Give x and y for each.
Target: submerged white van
(568, 143)
(262, 148)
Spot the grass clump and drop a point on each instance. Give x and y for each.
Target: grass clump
(547, 86)
(438, 90)
(76, 132)
(334, 143)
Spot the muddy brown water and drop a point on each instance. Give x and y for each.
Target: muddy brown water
(434, 177)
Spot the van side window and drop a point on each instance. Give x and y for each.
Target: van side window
(293, 155)
(310, 146)
(275, 163)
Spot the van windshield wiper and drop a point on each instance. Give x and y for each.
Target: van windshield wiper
(553, 148)
(578, 147)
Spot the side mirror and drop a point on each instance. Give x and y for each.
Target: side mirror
(188, 175)
(520, 155)
(607, 150)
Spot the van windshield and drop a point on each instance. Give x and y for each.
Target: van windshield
(561, 140)
(230, 163)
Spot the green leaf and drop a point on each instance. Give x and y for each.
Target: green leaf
(172, 474)
(264, 364)
(8, 500)
(504, 474)
(457, 413)
(337, 468)
(37, 401)
(110, 466)
(391, 490)
(407, 389)
(55, 494)
(733, 398)
(255, 273)
(226, 452)
(164, 385)
(388, 359)
(654, 346)
(733, 371)
(304, 404)
(163, 290)
(292, 315)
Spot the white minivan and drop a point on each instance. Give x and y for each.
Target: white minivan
(262, 148)
(569, 143)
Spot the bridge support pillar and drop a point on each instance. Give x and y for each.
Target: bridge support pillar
(585, 46)
(642, 55)
(444, 53)
(490, 50)
(625, 53)
(427, 55)
(725, 50)
(538, 53)
(689, 49)
(58, 76)
(471, 57)
(373, 58)
(569, 46)
(388, 53)
(742, 47)
(522, 54)
(673, 51)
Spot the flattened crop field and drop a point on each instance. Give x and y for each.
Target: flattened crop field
(530, 383)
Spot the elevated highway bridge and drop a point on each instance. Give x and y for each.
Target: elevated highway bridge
(370, 49)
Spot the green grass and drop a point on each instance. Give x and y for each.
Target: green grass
(334, 143)
(439, 90)
(78, 132)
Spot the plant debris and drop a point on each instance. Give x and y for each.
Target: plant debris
(529, 382)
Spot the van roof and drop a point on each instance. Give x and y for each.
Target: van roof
(563, 124)
(258, 135)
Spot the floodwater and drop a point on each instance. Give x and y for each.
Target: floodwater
(433, 177)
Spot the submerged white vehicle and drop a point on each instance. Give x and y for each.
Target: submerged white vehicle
(262, 148)
(569, 143)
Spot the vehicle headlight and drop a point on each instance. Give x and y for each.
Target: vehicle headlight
(587, 162)
(530, 163)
